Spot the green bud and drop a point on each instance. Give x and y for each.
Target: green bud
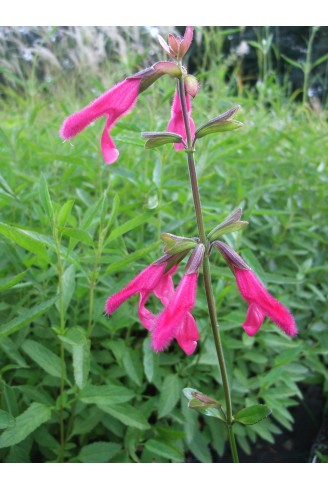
(156, 139)
(219, 124)
(191, 85)
(230, 224)
(175, 244)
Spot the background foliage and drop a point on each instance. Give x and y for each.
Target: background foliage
(79, 387)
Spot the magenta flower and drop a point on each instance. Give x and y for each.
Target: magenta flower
(144, 283)
(154, 280)
(176, 320)
(114, 104)
(176, 123)
(260, 301)
(262, 304)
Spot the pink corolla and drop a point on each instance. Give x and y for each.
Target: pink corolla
(175, 321)
(176, 123)
(114, 104)
(261, 303)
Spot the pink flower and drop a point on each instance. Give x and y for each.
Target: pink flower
(260, 301)
(154, 280)
(114, 104)
(176, 320)
(176, 123)
(261, 304)
(144, 283)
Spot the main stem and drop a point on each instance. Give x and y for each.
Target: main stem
(207, 272)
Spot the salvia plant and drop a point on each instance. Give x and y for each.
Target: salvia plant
(176, 320)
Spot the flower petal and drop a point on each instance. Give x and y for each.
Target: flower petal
(108, 148)
(142, 283)
(176, 123)
(164, 290)
(188, 335)
(254, 320)
(116, 102)
(172, 317)
(253, 291)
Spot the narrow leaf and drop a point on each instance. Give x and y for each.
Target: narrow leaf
(9, 282)
(164, 450)
(106, 394)
(45, 197)
(26, 423)
(24, 239)
(6, 420)
(128, 226)
(44, 357)
(98, 452)
(126, 414)
(20, 322)
(169, 396)
(252, 415)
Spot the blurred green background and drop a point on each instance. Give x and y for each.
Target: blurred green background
(76, 386)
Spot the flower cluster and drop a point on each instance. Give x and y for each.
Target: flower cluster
(176, 320)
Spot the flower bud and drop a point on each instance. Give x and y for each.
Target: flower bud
(219, 124)
(195, 260)
(176, 244)
(156, 139)
(191, 85)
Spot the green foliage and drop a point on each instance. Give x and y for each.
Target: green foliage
(81, 387)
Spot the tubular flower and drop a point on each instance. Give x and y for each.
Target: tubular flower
(260, 301)
(262, 304)
(154, 280)
(114, 104)
(176, 321)
(176, 123)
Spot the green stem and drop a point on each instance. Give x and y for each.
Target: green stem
(62, 351)
(207, 273)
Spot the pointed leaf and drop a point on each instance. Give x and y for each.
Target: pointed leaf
(98, 452)
(105, 394)
(45, 197)
(24, 319)
(169, 396)
(6, 420)
(126, 414)
(164, 450)
(44, 357)
(252, 415)
(9, 282)
(26, 423)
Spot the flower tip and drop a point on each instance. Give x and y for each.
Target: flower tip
(110, 155)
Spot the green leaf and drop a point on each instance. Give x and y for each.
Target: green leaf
(11, 351)
(128, 226)
(6, 420)
(150, 360)
(24, 239)
(80, 345)
(132, 365)
(98, 452)
(252, 415)
(44, 357)
(126, 414)
(320, 60)
(64, 213)
(77, 234)
(68, 288)
(164, 450)
(119, 265)
(30, 315)
(26, 423)
(293, 62)
(106, 394)
(169, 395)
(9, 282)
(45, 197)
